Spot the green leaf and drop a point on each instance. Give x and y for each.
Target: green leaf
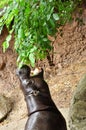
(33, 49)
(21, 33)
(50, 0)
(45, 39)
(20, 64)
(5, 45)
(55, 16)
(48, 16)
(52, 24)
(1, 28)
(8, 38)
(32, 59)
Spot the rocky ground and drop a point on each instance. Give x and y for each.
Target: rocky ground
(69, 66)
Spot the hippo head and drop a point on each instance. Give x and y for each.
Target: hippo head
(23, 72)
(31, 83)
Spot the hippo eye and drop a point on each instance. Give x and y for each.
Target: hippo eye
(27, 83)
(30, 82)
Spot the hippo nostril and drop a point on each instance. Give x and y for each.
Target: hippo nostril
(31, 82)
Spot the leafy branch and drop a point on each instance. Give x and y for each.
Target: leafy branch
(32, 21)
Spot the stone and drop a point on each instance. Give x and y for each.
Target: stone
(77, 111)
(5, 107)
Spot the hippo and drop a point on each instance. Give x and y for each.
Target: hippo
(42, 111)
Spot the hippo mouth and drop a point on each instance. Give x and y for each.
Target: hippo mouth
(36, 71)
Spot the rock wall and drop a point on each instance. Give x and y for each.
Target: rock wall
(77, 113)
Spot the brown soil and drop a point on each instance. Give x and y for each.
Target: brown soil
(69, 58)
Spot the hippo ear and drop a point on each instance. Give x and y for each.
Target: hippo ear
(41, 74)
